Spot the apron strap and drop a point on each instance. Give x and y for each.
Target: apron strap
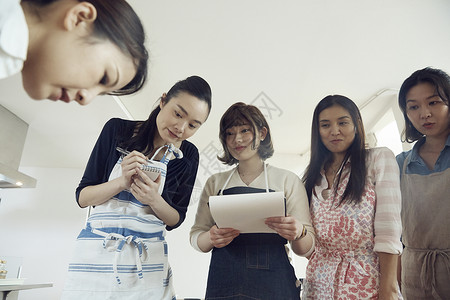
(226, 182)
(265, 175)
(405, 163)
(170, 151)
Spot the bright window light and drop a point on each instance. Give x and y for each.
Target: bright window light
(389, 137)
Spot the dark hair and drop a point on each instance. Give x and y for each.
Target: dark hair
(141, 139)
(117, 21)
(239, 114)
(438, 79)
(321, 156)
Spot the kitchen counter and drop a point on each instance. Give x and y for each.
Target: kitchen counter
(11, 292)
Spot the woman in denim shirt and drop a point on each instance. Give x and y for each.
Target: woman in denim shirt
(425, 182)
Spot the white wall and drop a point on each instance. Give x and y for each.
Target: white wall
(41, 225)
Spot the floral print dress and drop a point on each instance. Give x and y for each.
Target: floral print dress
(345, 264)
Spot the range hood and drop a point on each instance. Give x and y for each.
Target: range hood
(13, 132)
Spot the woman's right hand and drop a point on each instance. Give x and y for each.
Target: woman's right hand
(97, 194)
(130, 164)
(221, 237)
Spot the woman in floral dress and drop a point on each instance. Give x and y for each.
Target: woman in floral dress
(355, 201)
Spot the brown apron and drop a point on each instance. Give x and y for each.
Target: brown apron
(426, 235)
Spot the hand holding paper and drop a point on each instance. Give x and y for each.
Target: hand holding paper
(287, 227)
(221, 237)
(247, 212)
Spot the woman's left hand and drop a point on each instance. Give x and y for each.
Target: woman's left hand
(144, 189)
(287, 227)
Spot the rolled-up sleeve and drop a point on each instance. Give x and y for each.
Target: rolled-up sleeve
(388, 227)
(297, 205)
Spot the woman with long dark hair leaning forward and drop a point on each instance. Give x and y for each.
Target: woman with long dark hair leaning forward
(122, 252)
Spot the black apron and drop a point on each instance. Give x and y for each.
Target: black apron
(252, 266)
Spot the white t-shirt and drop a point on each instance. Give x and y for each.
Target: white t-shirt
(13, 38)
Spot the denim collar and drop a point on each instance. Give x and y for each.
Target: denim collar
(415, 157)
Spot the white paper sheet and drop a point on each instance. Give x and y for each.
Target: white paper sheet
(247, 212)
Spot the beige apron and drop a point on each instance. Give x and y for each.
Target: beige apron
(426, 235)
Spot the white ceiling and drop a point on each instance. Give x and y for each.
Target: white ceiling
(285, 54)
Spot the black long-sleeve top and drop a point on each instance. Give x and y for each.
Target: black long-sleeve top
(181, 173)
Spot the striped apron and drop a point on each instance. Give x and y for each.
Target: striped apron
(122, 252)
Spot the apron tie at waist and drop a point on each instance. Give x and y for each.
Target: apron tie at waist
(115, 242)
(347, 257)
(428, 271)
